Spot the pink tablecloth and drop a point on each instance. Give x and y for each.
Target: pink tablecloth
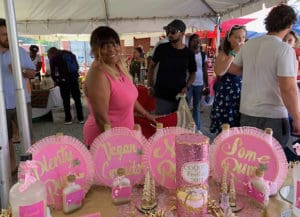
(99, 200)
(167, 199)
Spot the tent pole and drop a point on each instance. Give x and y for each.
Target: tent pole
(20, 103)
(106, 13)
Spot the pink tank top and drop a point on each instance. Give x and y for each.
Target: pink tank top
(123, 95)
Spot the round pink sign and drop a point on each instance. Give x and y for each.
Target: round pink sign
(242, 149)
(56, 158)
(118, 148)
(160, 157)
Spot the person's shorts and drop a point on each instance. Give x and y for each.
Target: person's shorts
(11, 116)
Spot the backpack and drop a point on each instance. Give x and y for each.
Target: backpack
(71, 62)
(203, 54)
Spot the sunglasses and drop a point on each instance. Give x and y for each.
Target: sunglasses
(172, 31)
(233, 28)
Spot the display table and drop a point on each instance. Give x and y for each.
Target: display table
(99, 200)
(43, 101)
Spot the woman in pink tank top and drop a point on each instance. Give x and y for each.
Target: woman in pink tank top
(111, 94)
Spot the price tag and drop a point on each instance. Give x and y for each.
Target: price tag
(286, 213)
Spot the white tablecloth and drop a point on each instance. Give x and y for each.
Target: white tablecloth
(54, 100)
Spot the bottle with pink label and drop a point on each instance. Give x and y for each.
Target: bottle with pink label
(260, 188)
(28, 197)
(121, 188)
(296, 178)
(73, 195)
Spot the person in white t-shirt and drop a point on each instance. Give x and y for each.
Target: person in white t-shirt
(201, 79)
(269, 89)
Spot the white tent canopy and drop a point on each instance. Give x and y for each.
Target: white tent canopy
(36, 17)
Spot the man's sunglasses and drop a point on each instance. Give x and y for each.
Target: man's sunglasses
(234, 27)
(171, 31)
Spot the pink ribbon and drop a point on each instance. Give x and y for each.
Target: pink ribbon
(29, 178)
(296, 146)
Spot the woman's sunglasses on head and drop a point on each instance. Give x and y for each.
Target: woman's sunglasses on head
(234, 27)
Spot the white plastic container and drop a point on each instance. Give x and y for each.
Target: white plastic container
(33, 200)
(296, 178)
(73, 195)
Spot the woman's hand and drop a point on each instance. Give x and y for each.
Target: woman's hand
(151, 117)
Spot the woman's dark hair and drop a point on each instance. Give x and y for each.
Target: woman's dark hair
(192, 37)
(226, 44)
(102, 35)
(280, 18)
(105, 35)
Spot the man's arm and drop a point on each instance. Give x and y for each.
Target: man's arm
(52, 65)
(191, 79)
(150, 73)
(77, 64)
(289, 94)
(27, 66)
(189, 82)
(28, 73)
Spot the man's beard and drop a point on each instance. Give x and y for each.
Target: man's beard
(174, 41)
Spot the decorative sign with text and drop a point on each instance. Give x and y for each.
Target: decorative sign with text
(56, 158)
(161, 157)
(242, 149)
(116, 148)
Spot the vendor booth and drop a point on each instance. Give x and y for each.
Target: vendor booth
(124, 159)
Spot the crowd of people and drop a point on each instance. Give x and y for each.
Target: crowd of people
(256, 80)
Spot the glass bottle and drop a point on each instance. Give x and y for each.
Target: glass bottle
(136, 79)
(260, 185)
(269, 132)
(107, 127)
(142, 73)
(137, 127)
(28, 197)
(159, 126)
(225, 129)
(121, 188)
(73, 195)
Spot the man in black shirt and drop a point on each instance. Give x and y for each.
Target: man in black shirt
(176, 63)
(64, 72)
